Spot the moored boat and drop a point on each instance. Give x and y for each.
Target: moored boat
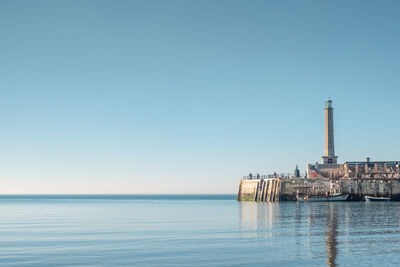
(342, 197)
(334, 194)
(376, 199)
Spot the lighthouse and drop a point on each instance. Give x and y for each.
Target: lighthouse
(329, 153)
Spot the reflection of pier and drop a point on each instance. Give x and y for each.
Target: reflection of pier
(298, 227)
(331, 235)
(256, 219)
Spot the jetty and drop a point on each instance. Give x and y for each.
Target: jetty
(358, 179)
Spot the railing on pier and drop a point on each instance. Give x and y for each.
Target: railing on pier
(271, 176)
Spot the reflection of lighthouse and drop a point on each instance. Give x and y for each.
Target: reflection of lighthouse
(329, 155)
(330, 238)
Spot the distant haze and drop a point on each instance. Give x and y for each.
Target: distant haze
(189, 96)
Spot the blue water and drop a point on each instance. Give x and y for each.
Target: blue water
(211, 230)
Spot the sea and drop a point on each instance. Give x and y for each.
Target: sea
(194, 230)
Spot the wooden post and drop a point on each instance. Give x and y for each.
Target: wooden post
(275, 188)
(278, 187)
(268, 185)
(255, 193)
(265, 189)
(271, 185)
(239, 197)
(274, 192)
(260, 190)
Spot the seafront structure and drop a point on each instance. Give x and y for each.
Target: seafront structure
(329, 155)
(356, 178)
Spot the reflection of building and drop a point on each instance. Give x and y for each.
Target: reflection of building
(360, 169)
(331, 235)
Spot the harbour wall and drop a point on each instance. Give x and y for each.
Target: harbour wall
(277, 189)
(267, 190)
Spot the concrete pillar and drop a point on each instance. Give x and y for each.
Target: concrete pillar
(329, 153)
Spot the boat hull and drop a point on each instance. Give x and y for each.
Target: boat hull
(323, 199)
(376, 199)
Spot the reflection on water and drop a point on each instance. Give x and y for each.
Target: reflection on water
(303, 220)
(258, 217)
(331, 235)
(179, 231)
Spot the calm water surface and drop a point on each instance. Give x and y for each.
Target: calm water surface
(194, 231)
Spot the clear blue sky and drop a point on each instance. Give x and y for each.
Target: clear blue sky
(188, 96)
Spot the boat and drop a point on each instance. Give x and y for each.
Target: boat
(342, 197)
(334, 194)
(376, 199)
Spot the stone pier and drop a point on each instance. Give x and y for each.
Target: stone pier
(277, 189)
(265, 190)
